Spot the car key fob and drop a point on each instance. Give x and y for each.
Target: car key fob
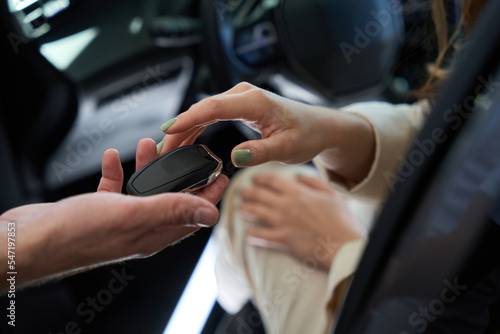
(186, 169)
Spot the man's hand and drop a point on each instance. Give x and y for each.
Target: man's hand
(92, 229)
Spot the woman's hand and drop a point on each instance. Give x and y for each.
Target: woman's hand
(92, 229)
(304, 217)
(292, 132)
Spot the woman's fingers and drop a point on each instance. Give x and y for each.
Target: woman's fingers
(281, 123)
(280, 146)
(261, 195)
(314, 182)
(277, 184)
(247, 105)
(246, 154)
(171, 142)
(261, 214)
(112, 172)
(266, 238)
(146, 152)
(192, 138)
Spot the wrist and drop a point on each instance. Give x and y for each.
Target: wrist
(350, 148)
(16, 255)
(352, 237)
(327, 125)
(32, 254)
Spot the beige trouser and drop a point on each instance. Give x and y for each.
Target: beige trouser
(291, 295)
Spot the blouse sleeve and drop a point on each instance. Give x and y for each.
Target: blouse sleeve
(395, 127)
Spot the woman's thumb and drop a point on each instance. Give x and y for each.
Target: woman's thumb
(257, 152)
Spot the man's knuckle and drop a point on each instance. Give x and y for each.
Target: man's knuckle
(286, 206)
(180, 214)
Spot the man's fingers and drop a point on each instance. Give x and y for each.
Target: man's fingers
(173, 209)
(146, 152)
(118, 226)
(214, 192)
(158, 239)
(112, 172)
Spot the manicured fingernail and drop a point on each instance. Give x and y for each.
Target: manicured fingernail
(168, 124)
(242, 157)
(159, 146)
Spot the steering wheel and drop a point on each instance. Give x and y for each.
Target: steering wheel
(339, 47)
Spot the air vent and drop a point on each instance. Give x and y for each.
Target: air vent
(33, 15)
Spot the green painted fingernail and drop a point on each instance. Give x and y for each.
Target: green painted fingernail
(159, 146)
(168, 124)
(242, 157)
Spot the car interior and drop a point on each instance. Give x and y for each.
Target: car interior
(79, 77)
(448, 206)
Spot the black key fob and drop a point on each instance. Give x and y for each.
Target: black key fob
(186, 169)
